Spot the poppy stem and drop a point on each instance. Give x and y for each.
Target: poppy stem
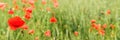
(18, 35)
(8, 34)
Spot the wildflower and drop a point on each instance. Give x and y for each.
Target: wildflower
(24, 27)
(47, 33)
(76, 33)
(29, 10)
(53, 20)
(2, 6)
(108, 11)
(15, 22)
(31, 31)
(98, 27)
(27, 16)
(14, 2)
(43, 2)
(48, 9)
(31, 2)
(54, 0)
(93, 21)
(102, 32)
(37, 38)
(104, 26)
(24, 1)
(11, 11)
(24, 8)
(95, 26)
(112, 26)
(16, 7)
(56, 4)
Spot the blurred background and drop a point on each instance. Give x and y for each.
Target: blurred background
(73, 19)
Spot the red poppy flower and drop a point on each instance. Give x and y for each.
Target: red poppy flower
(53, 20)
(54, 1)
(2, 6)
(104, 26)
(14, 1)
(47, 33)
(29, 10)
(11, 11)
(16, 7)
(33, 6)
(27, 16)
(112, 26)
(43, 2)
(108, 11)
(55, 4)
(94, 25)
(48, 9)
(93, 21)
(31, 31)
(15, 22)
(31, 2)
(98, 27)
(102, 32)
(24, 1)
(37, 38)
(24, 27)
(76, 33)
